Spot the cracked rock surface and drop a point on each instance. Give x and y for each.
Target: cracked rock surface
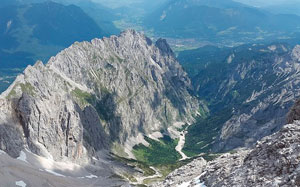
(274, 161)
(95, 94)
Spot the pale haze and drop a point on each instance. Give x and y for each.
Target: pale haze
(261, 3)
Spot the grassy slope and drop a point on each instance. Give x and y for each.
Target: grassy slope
(159, 152)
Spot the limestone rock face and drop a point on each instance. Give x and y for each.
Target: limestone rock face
(93, 94)
(271, 83)
(274, 161)
(183, 174)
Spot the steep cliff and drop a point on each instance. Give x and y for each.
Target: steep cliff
(93, 95)
(276, 88)
(249, 90)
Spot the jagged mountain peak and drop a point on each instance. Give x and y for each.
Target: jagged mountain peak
(96, 94)
(131, 32)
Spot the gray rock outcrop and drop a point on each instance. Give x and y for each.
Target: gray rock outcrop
(95, 94)
(270, 85)
(274, 161)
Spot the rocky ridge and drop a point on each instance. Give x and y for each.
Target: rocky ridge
(276, 87)
(94, 96)
(248, 98)
(274, 161)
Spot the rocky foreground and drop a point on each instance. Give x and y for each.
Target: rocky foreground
(30, 170)
(274, 161)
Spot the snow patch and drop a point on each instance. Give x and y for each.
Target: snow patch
(2, 152)
(22, 157)
(54, 173)
(185, 184)
(20, 183)
(195, 183)
(198, 183)
(91, 176)
(50, 164)
(94, 158)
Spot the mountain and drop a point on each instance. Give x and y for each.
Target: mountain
(38, 25)
(222, 22)
(248, 90)
(273, 161)
(144, 4)
(266, 3)
(287, 8)
(60, 25)
(36, 31)
(102, 15)
(107, 95)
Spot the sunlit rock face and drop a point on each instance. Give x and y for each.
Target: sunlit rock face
(273, 89)
(93, 94)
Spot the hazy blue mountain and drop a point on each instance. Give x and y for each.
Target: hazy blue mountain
(60, 25)
(43, 28)
(103, 15)
(145, 4)
(217, 20)
(30, 32)
(289, 8)
(265, 3)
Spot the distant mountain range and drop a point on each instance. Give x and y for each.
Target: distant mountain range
(289, 8)
(218, 20)
(36, 31)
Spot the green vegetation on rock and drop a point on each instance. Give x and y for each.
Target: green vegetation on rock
(118, 149)
(83, 98)
(147, 171)
(129, 177)
(27, 88)
(201, 135)
(158, 152)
